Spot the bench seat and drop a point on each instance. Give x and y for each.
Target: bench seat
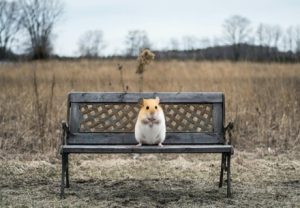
(147, 149)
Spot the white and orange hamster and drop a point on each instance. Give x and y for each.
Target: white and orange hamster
(150, 127)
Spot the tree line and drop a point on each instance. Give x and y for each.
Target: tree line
(30, 24)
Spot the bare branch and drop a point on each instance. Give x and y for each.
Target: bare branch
(38, 20)
(136, 40)
(236, 31)
(91, 43)
(9, 25)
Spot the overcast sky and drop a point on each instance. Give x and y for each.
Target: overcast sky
(163, 19)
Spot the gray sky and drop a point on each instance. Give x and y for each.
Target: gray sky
(163, 20)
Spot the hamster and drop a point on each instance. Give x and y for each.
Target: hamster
(150, 127)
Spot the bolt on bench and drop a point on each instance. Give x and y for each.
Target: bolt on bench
(104, 123)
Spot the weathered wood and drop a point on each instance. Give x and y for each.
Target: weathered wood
(128, 138)
(223, 113)
(146, 149)
(74, 118)
(218, 120)
(165, 97)
(216, 137)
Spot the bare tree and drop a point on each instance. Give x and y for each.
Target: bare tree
(91, 43)
(38, 20)
(277, 35)
(260, 34)
(204, 43)
(284, 43)
(293, 38)
(136, 40)
(268, 35)
(236, 29)
(9, 26)
(189, 42)
(297, 36)
(290, 35)
(268, 38)
(174, 44)
(216, 41)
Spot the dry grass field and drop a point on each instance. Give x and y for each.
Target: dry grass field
(263, 101)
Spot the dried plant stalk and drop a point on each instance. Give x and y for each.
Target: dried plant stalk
(43, 111)
(120, 68)
(145, 58)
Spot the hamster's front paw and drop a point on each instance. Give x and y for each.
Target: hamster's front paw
(160, 144)
(139, 145)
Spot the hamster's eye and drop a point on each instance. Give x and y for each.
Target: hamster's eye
(147, 107)
(155, 107)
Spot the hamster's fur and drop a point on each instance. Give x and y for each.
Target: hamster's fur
(150, 127)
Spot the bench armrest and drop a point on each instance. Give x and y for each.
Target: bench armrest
(65, 132)
(229, 129)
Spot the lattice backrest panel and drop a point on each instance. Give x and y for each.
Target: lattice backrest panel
(121, 117)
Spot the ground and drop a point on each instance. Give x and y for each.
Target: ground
(259, 179)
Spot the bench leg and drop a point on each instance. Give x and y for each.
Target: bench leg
(67, 171)
(228, 176)
(222, 170)
(63, 172)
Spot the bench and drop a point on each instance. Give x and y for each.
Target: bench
(104, 123)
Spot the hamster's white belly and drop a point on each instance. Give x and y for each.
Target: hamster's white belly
(146, 134)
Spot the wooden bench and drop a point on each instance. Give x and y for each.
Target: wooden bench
(104, 123)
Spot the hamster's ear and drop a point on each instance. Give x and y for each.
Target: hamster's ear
(141, 102)
(157, 100)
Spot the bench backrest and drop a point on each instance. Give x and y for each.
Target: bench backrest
(109, 118)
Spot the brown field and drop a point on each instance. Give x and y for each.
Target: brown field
(263, 101)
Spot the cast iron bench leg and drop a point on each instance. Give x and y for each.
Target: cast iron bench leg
(222, 170)
(63, 171)
(228, 176)
(67, 171)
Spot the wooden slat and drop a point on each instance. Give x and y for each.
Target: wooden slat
(165, 97)
(218, 119)
(147, 149)
(74, 118)
(128, 138)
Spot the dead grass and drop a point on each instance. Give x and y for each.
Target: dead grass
(261, 99)
(151, 181)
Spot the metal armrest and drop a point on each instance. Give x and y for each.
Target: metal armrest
(65, 132)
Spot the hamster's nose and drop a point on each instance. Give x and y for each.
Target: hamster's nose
(151, 113)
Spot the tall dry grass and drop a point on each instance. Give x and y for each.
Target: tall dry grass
(261, 99)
